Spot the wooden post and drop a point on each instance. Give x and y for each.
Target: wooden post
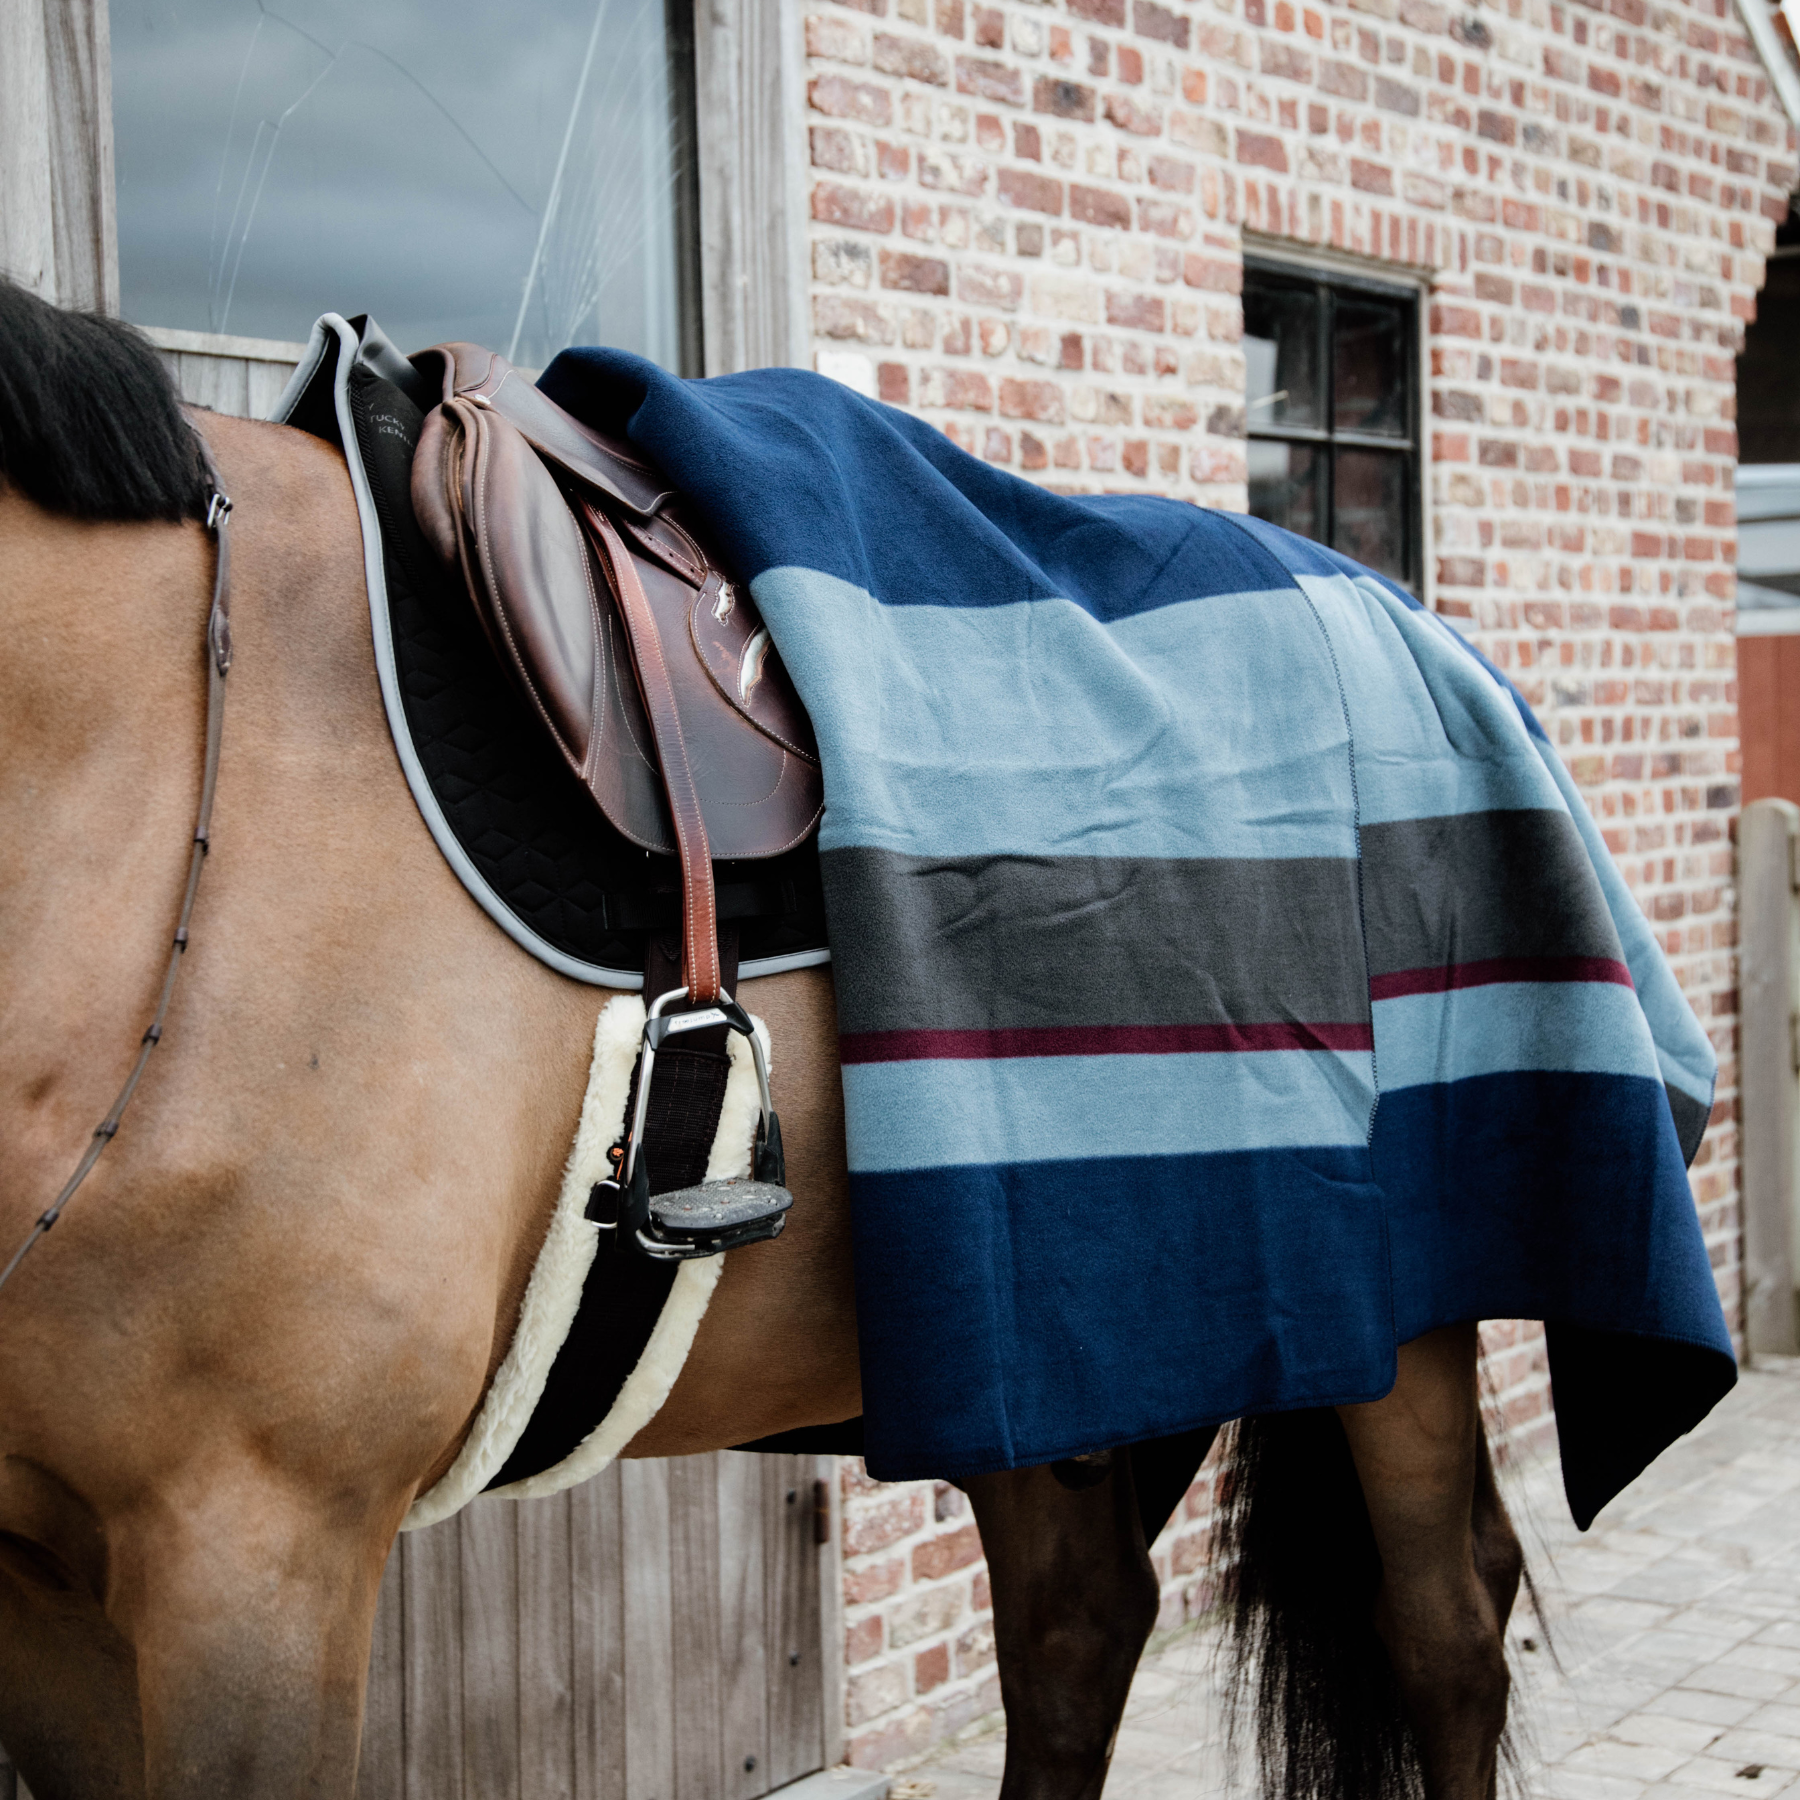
(58, 232)
(1769, 983)
(753, 249)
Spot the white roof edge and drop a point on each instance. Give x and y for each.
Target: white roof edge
(1783, 76)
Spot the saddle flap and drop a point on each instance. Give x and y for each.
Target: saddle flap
(487, 379)
(490, 502)
(491, 510)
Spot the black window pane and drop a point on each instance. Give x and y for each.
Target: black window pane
(454, 168)
(1284, 485)
(1281, 355)
(1369, 509)
(1369, 365)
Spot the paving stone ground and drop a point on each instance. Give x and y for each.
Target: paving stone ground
(1676, 1621)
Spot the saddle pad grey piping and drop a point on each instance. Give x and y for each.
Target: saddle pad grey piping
(334, 337)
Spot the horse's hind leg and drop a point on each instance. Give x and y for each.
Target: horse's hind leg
(250, 1612)
(1450, 1564)
(1075, 1598)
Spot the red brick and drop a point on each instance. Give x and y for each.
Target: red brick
(1063, 99)
(1098, 12)
(1095, 206)
(893, 383)
(990, 80)
(915, 274)
(1371, 177)
(1041, 401)
(1136, 312)
(940, 1556)
(1260, 150)
(843, 98)
(982, 286)
(1153, 21)
(835, 205)
(1038, 193)
(1130, 114)
(912, 58)
(931, 1668)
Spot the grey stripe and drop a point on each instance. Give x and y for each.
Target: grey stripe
(1008, 941)
(1473, 886)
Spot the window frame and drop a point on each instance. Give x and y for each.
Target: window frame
(1330, 276)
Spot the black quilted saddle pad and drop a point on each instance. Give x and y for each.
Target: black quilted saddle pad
(523, 820)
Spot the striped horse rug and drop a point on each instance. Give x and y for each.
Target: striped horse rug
(1232, 984)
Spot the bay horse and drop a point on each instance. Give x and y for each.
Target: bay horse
(269, 1320)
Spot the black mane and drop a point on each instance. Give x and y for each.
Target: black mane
(89, 422)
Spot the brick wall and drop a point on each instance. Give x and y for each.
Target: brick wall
(1028, 223)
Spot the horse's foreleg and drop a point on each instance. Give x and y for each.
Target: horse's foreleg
(1447, 1576)
(250, 1612)
(1074, 1600)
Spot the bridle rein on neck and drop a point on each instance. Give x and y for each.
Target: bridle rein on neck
(218, 664)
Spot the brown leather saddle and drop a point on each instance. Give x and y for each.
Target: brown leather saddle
(654, 676)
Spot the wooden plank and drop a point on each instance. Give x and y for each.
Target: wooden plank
(264, 381)
(695, 1695)
(546, 1650)
(27, 227)
(84, 229)
(490, 1650)
(746, 1655)
(647, 1649)
(381, 1774)
(1768, 846)
(219, 382)
(796, 1689)
(431, 1595)
(597, 1596)
(832, 1678)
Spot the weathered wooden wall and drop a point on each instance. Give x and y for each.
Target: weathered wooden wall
(657, 1634)
(238, 375)
(57, 232)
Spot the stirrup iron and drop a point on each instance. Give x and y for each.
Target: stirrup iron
(710, 1216)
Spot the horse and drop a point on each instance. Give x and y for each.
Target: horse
(266, 1324)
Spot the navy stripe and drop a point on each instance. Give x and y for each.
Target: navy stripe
(1056, 1307)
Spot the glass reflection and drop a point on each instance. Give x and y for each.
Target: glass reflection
(1368, 374)
(1284, 485)
(456, 169)
(1369, 510)
(1281, 355)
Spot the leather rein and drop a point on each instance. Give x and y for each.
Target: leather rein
(218, 664)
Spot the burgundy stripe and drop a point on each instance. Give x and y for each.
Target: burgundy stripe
(1096, 1040)
(1494, 969)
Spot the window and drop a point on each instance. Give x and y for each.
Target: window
(1332, 412)
(523, 177)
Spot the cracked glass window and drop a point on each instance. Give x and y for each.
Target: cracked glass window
(520, 177)
(1331, 409)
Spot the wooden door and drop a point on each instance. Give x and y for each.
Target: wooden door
(657, 1634)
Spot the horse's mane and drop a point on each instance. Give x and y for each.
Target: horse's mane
(89, 422)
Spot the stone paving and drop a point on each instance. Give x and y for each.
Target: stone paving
(1676, 1621)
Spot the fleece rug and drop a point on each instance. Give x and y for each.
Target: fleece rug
(1232, 984)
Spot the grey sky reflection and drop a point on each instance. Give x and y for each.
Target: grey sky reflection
(281, 160)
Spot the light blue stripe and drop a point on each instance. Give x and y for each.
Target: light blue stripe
(1212, 728)
(1591, 1027)
(913, 1115)
(1435, 733)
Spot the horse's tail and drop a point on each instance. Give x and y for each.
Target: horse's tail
(1309, 1683)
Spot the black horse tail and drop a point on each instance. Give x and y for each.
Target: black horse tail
(1309, 1683)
